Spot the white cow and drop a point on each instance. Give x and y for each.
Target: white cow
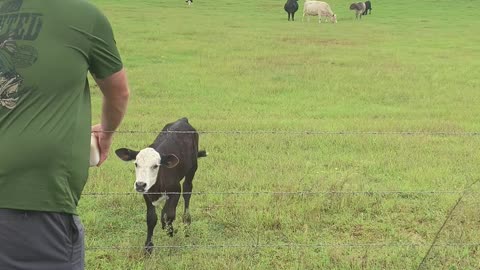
(318, 8)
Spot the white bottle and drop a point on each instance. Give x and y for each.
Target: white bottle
(94, 151)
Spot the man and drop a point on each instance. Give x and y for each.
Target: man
(46, 50)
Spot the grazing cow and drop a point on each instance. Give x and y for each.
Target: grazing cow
(189, 2)
(291, 6)
(359, 8)
(159, 169)
(318, 8)
(368, 6)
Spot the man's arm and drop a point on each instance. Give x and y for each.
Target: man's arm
(115, 99)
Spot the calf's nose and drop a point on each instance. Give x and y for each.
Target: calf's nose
(140, 186)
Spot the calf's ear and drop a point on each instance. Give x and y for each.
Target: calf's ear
(126, 154)
(169, 161)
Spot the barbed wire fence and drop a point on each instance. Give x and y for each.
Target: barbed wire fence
(461, 193)
(293, 245)
(290, 193)
(304, 132)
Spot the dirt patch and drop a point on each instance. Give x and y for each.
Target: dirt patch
(317, 41)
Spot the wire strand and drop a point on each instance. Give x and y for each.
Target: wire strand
(306, 132)
(290, 245)
(300, 193)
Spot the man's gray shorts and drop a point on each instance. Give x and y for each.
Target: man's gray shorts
(31, 240)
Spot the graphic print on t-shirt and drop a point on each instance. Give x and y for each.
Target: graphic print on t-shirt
(15, 26)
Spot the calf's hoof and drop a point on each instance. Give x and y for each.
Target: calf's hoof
(170, 231)
(187, 219)
(149, 248)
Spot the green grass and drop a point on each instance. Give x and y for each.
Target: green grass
(410, 66)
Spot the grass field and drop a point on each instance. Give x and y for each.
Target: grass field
(411, 66)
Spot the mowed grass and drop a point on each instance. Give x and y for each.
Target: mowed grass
(241, 66)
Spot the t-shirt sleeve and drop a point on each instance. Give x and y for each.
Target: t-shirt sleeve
(104, 58)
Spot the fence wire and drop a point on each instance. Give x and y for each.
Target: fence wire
(301, 193)
(291, 245)
(290, 193)
(305, 132)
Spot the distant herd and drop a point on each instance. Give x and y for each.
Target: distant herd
(322, 9)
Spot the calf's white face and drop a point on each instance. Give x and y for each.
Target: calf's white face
(147, 165)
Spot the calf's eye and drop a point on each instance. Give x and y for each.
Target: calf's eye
(155, 166)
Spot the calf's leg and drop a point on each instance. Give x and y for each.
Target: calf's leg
(168, 211)
(151, 223)
(187, 194)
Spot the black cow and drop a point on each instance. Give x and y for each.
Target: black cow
(291, 6)
(159, 169)
(368, 8)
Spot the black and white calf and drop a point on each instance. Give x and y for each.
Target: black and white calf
(159, 169)
(189, 2)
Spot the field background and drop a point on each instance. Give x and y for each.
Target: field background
(411, 66)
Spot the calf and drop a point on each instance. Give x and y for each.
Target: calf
(291, 6)
(359, 9)
(159, 169)
(189, 2)
(368, 7)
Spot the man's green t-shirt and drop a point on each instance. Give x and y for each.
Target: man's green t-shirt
(47, 47)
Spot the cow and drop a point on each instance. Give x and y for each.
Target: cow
(160, 167)
(291, 6)
(368, 8)
(318, 8)
(189, 2)
(359, 9)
